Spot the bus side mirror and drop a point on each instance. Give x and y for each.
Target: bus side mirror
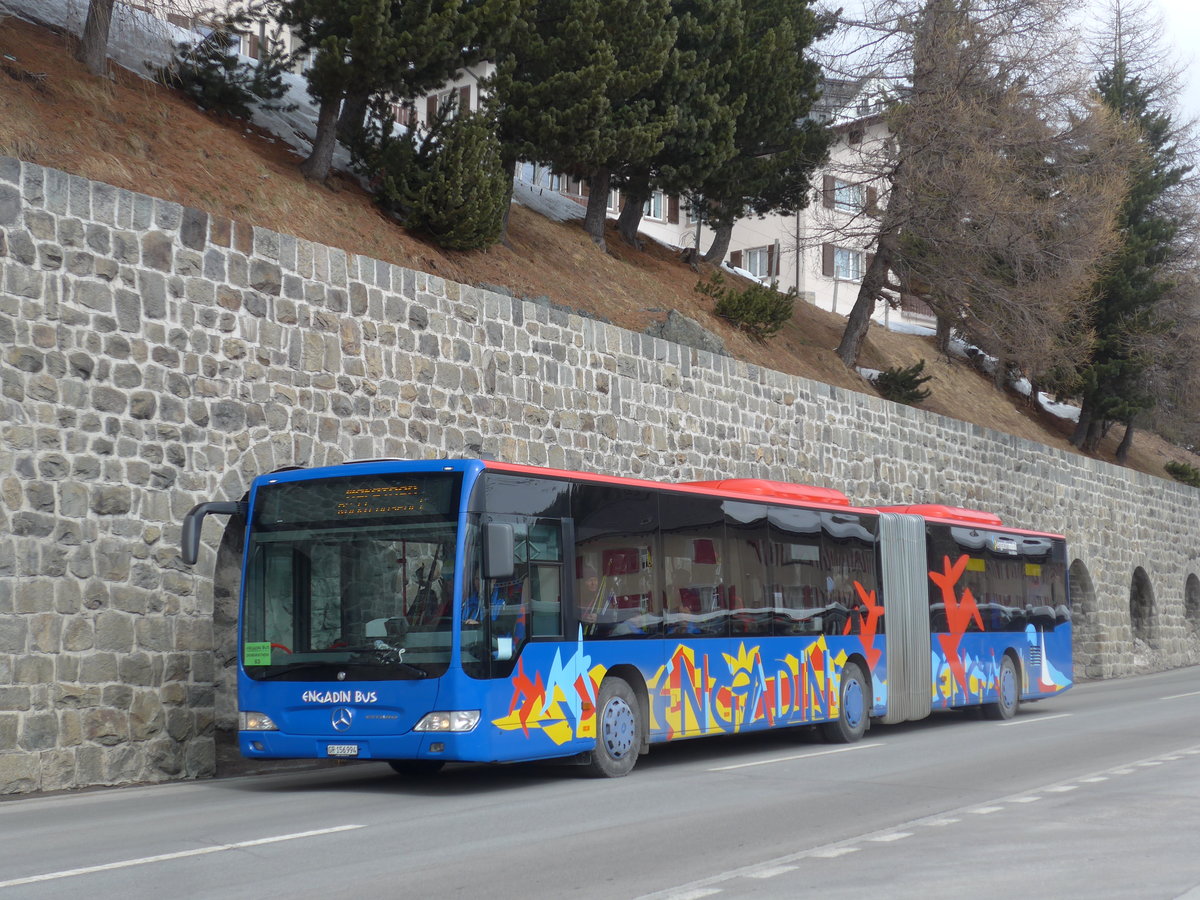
(498, 550)
(189, 541)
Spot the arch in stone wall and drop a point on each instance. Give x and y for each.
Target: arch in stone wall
(1191, 603)
(1141, 606)
(1085, 620)
(227, 577)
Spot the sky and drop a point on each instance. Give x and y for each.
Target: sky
(1182, 19)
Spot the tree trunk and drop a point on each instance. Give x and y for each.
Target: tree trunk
(1125, 445)
(719, 248)
(93, 49)
(1081, 425)
(1093, 436)
(320, 161)
(509, 163)
(597, 207)
(636, 192)
(354, 110)
(941, 339)
(859, 321)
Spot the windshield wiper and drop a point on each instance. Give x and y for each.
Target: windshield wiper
(372, 656)
(288, 668)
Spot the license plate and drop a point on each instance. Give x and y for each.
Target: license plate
(342, 749)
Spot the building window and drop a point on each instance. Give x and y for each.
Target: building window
(847, 196)
(758, 262)
(655, 207)
(847, 264)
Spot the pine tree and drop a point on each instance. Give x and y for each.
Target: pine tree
(1137, 278)
(402, 47)
(573, 90)
(461, 202)
(774, 86)
(696, 86)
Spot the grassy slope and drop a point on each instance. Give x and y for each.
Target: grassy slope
(136, 135)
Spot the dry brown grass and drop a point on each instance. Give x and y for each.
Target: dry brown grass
(137, 135)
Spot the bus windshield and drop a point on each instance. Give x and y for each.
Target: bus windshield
(351, 578)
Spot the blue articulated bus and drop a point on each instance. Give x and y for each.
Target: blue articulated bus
(478, 611)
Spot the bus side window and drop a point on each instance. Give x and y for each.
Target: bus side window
(694, 565)
(617, 564)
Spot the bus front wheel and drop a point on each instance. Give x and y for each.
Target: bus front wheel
(1009, 693)
(618, 730)
(853, 708)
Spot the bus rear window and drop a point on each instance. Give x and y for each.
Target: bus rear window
(356, 500)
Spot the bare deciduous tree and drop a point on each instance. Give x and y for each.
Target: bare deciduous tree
(1002, 179)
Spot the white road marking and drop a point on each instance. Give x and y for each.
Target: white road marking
(693, 895)
(1030, 720)
(772, 872)
(770, 867)
(779, 759)
(180, 854)
(987, 810)
(1151, 762)
(1095, 779)
(1177, 696)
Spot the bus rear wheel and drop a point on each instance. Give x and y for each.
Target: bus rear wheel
(1009, 699)
(853, 707)
(416, 767)
(619, 730)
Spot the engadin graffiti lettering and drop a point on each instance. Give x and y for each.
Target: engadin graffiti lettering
(697, 693)
(563, 706)
(690, 696)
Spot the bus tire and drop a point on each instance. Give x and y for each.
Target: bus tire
(853, 707)
(1009, 700)
(618, 730)
(412, 768)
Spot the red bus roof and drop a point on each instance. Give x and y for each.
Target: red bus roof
(763, 489)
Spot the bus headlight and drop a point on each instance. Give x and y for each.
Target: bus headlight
(455, 720)
(255, 721)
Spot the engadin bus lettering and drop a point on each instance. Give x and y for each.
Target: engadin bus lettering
(340, 697)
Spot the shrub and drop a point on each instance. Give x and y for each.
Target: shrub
(760, 311)
(448, 182)
(211, 73)
(1184, 473)
(461, 202)
(903, 385)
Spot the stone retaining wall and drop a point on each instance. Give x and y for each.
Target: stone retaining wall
(153, 356)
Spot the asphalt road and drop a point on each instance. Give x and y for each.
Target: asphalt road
(1094, 794)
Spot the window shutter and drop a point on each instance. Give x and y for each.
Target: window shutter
(254, 48)
(771, 260)
(673, 209)
(869, 259)
(872, 201)
(735, 259)
(827, 260)
(431, 109)
(827, 191)
(464, 98)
